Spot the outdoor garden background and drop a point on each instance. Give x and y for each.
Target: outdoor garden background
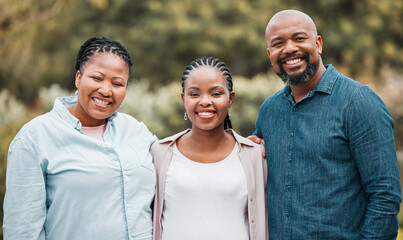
(39, 41)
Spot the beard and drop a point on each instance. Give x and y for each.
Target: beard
(301, 78)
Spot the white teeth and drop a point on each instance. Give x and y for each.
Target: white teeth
(100, 101)
(205, 113)
(293, 61)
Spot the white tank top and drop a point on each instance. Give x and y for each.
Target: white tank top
(205, 201)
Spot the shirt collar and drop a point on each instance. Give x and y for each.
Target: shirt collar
(327, 81)
(60, 107)
(325, 84)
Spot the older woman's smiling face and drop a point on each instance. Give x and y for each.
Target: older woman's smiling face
(101, 86)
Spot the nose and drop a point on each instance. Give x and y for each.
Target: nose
(290, 47)
(105, 89)
(205, 100)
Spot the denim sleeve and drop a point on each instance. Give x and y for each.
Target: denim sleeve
(25, 198)
(370, 131)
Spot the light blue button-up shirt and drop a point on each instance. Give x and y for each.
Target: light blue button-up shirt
(62, 184)
(333, 172)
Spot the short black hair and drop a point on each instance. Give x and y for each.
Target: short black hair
(100, 45)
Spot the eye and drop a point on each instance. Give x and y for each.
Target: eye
(300, 39)
(193, 94)
(277, 44)
(216, 94)
(117, 84)
(96, 78)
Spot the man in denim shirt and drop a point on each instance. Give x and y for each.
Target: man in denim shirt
(333, 171)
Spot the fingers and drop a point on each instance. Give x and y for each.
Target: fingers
(255, 139)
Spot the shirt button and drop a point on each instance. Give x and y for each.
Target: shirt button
(251, 199)
(291, 134)
(288, 187)
(294, 109)
(290, 160)
(287, 215)
(252, 220)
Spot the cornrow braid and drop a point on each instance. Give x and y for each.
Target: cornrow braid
(214, 63)
(100, 45)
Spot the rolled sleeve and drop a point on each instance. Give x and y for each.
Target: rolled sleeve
(372, 145)
(25, 198)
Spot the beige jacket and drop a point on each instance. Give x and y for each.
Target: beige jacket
(256, 173)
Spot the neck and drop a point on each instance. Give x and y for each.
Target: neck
(85, 121)
(300, 91)
(208, 139)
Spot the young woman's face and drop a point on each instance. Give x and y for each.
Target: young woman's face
(101, 86)
(206, 98)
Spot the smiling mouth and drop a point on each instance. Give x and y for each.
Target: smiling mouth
(205, 115)
(101, 102)
(292, 61)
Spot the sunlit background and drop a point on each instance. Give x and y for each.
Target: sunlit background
(39, 41)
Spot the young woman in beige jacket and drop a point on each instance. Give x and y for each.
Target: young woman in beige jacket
(211, 182)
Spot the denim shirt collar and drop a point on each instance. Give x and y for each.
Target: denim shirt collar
(325, 84)
(60, 107)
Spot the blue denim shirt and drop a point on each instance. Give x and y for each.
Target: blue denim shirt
(62, 184)
(333, 171)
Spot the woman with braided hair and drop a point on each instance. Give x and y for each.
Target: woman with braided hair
(83, 170)
(210, 181)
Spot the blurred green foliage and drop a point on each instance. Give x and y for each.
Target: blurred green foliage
(39, 39)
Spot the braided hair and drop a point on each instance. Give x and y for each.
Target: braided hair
(102, 45)
(214, 63)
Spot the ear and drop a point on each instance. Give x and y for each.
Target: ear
(78, 78)
(319, 44)
(268, 52)
(231, 98)
(183, 97)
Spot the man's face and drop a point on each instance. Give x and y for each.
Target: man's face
(294, 48)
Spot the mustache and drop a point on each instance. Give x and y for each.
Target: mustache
(296, 55)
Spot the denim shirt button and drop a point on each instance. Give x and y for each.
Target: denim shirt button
(292, 134)
(287, 215)
(294, 109)
(288, 187)
(290, 160)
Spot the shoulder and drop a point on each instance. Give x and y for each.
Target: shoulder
(30, 129)
(274, 97)
(355, 92)
(128, 124)
(125, 118)
(162, 149)
(246, 144)
(159, 147)
(344, 84)
(30, 134)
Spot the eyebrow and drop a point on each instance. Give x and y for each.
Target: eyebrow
(105, 74)
(211, 89)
